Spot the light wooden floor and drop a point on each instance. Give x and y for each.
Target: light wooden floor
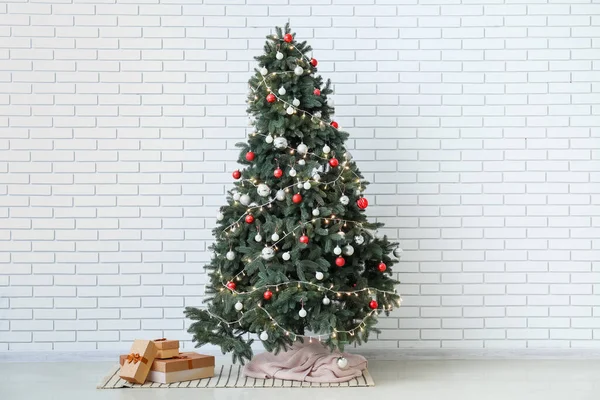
(404, 380)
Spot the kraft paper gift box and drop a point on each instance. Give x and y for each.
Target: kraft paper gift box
(166, 348)
(186, 367)
(137, 363)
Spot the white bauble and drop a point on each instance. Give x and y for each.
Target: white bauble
(300, 185)
(317, 114)
(263, 190)
(289, 110)
(344, 200)
(279, 55)
(286, 256)
(293, 172)
(281, 91)
(342, 233)
(275, 237)
(253, 204)
(348, 250)
(330, 102)
(296, 102)
(319, 275)
(230, 255)
(342, 362)
(307, 185)
(220, 216)
(236, 196)
(316, 212)
(302, 313)
(317, 177)
(239, 306)
(398, 252)
(245, 199)
(337, 251)
(280, 142)
(258, 238)
(326, 149)
(264, 71)
(267, 253)
(301, 162)
(264, 336)
(359, 239)
(280, 195)
(302, 148)
(298, 70)
(326, 300)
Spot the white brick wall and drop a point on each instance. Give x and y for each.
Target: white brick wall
(475, 121)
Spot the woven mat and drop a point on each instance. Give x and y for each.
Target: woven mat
(228, 377)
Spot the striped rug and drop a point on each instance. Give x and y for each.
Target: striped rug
(229, 376)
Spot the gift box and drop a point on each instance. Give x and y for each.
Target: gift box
(184, 367)
(137, 363)
(166, 348)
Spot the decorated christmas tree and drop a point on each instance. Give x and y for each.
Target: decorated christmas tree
(295, 257)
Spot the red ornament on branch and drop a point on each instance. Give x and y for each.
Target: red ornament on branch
(304, 239)
(278, 173)
(313, 62)
(249, 219)
(382, 267)
(334, 162)
(362, 203)
(317, 92)
(267, 295)
(250, 156)
(297, 198)
(288, 38)
(271, 98)
(236, 174)
(340, 262)
(373, 305)
(335, 124)
(231, 285)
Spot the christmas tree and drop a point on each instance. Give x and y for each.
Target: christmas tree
(295, 257)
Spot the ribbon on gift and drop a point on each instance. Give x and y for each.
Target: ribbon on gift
(181, 357)
(160, 340)
(135, 358)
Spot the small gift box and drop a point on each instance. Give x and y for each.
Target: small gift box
(184, 367)
(137, 363)
(166, 348)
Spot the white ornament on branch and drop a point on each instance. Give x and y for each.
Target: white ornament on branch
(263, 190)
(269, 139)
(292, 172)
(258, 238)
(279, 55)
(245, 199)
(275, 237)
(302, 148)
(281, 91)
(298, 70)
(267, 253)
(264, 71)
(280, 142)
(286, 256)
(280, 195)
(230, 255)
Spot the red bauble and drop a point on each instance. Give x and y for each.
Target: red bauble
(373, 304)
(335, 124)
(304, 239)
(297, 198)
(287, 38)
(313, 62)
(267, 295)
(362, 203)
(382, 267)
(249, 219)
(236, 174)
(271, 98)
(317, 92)
(334, 162)
(278, 173)
(340, 262)
(231, 285)
(250, 156)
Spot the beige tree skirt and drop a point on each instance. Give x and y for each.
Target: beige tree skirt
(229, 376)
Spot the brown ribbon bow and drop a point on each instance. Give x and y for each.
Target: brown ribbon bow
(181, 357)
(135, 358)
(160, 340)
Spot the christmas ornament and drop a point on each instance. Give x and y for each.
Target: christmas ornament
(282, 91)
(313, 62)
(278, 173)
(326, 149)
(373, 304)
(307, 185)
(275, 237)
(319, 275)
(220, 216)
(326, 300)
(296, 102)
(280, 142)
(230, 255)
(236, 174)
(342, 233)
(298, 70)
(299, 185)
(344, 200)
(348, 250)
(250, 156)
(292, 172)
(302, 148)
(258, 238)
(316, 212)
(253, 204)
(317, 177)
(334, 162)
(304, 239)
(398, 252)
(263, 190)
(342, 362)
(231, 285)
(289, 110)
(236, 196)
(359, 239)
(362, 203)
(279, 55)
(302, 312)
(271, 98)
(287, 38)
(317, 92)
(267, 253)
(297, 198)
(245, 199)
(340, 262)
(330, 102)
(249, 219)
(317, 114)
(239, 306)
(286, 256)
(335, 124)
(382, 267)
(269, 139)
(267, 295)
(280, 195)
(264, 336)
(264, 71)
(301, 162)
(337, 251)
